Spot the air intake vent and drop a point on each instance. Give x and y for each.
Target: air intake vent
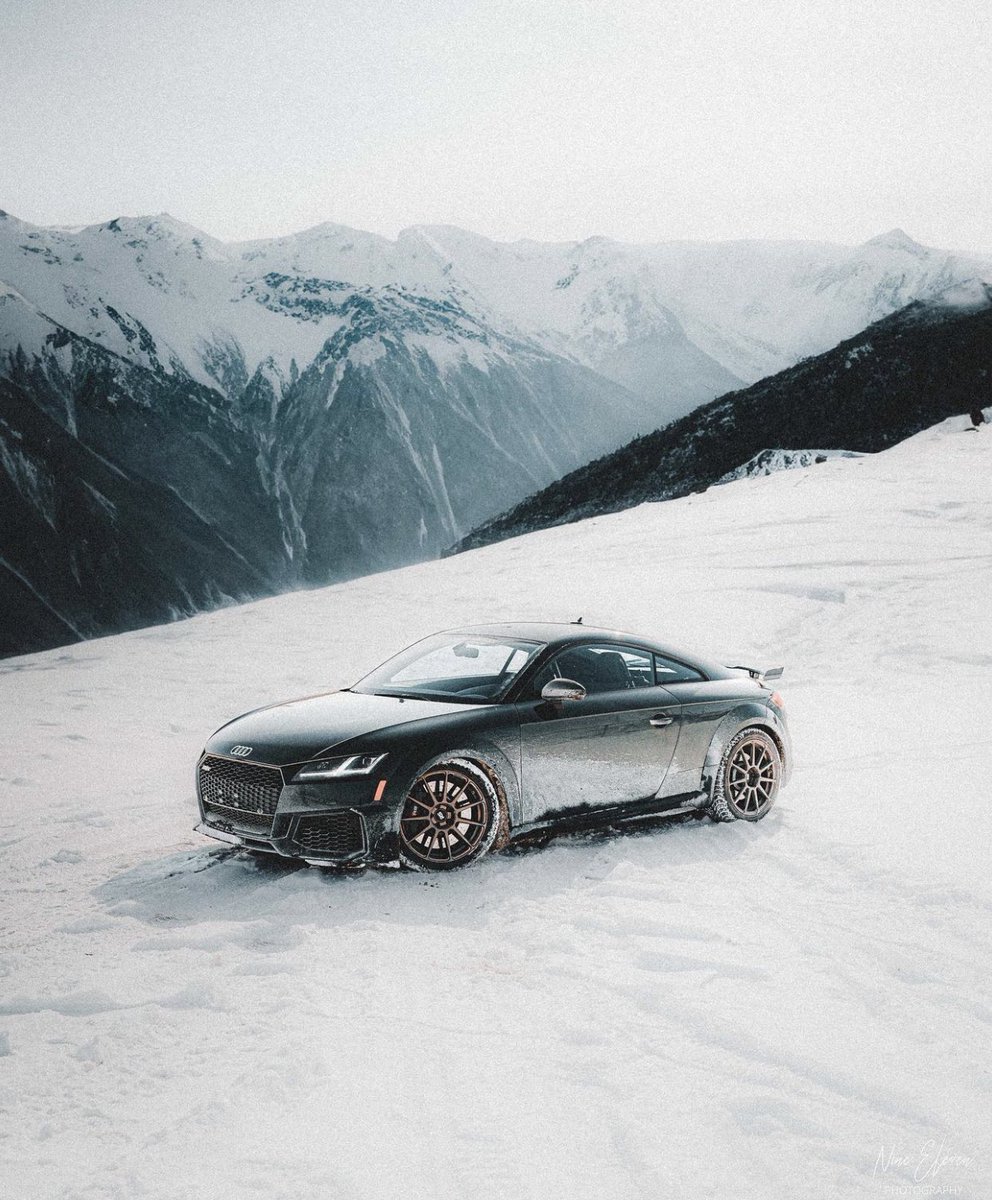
(332, 835)
(224, 818)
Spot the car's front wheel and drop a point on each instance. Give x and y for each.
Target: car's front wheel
(748, 778)
(453, 815)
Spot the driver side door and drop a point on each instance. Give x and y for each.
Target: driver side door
(609, 750)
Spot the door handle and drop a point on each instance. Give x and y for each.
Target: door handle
(660, 721)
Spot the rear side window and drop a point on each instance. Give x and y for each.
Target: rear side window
(669, 670)
(638, 665)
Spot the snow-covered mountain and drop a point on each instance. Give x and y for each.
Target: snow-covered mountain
(756, 1012)
(750, 307)
(768, 462)
(177, 429)
(679, 319)
(186, 420)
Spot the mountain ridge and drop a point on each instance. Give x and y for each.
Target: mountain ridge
(532, 285)
(902, 374)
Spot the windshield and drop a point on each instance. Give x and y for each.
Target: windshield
(452, 666)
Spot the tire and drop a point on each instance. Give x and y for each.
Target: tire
(453, 815)
(748, 778)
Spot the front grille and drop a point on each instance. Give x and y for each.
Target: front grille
(337, 835)
(239, 794)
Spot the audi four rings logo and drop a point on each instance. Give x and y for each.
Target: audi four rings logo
(241, 751)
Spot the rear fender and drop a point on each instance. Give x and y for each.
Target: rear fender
(747, 715)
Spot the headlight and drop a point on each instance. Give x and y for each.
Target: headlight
(336, 768)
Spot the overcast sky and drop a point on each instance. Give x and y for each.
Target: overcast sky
(551, 119)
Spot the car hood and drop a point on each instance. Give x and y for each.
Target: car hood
(302, 729)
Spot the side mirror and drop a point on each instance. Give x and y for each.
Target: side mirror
(557, 690)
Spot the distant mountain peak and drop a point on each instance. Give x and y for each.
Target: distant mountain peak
(897, 239)
(154, 225)
(334, 229)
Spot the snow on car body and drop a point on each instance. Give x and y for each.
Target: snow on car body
(476, 736)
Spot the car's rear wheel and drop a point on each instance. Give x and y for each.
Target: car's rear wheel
(453, 815)
(748, 778)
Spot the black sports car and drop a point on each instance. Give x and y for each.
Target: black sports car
(474, 737)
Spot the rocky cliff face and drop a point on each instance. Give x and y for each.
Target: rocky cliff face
(149, 469)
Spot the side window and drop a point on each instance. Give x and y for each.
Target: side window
(638, 667)
(668, 670)
(599, 668)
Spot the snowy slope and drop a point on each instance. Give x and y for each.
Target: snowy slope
(796, 1008)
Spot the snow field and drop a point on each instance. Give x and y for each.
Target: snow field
(786, 1009)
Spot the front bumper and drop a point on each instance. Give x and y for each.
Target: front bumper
(253, 805)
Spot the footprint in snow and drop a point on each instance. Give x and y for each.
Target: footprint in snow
(89, 1052)
(67, 856)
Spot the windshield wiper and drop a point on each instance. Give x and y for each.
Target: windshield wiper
(447, 697)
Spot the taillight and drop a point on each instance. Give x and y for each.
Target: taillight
(776, 699)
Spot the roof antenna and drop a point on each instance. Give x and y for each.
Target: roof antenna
(578, 622)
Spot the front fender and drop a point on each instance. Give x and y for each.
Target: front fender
(487, 753)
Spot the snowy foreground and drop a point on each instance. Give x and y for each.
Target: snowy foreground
(794, 1009)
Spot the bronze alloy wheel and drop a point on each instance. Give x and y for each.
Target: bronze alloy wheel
(748, 779)
(449, 818)
(751, 777)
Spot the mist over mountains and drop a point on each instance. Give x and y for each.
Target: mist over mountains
(185, 421)
(929, 361)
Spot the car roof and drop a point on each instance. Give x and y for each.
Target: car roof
(561, 634)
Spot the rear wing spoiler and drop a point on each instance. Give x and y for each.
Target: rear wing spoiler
(762, 676)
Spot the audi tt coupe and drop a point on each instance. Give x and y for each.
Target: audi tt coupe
(479, 736)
